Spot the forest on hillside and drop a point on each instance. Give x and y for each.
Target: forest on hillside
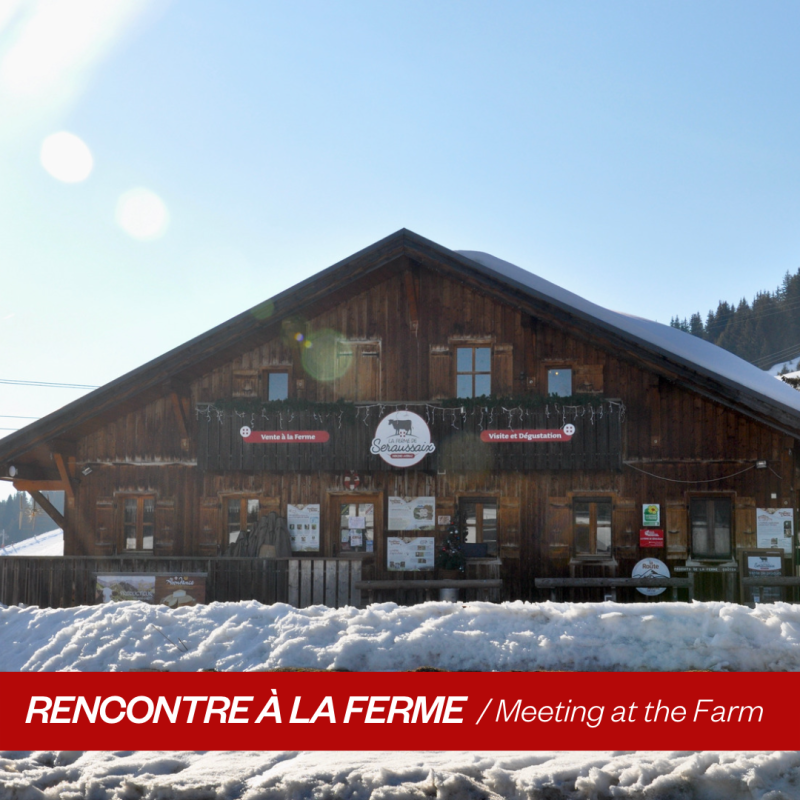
(764, 332)
(21, 518)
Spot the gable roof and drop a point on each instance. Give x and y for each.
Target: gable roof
(681, 357)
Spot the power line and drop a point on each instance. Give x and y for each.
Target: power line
(16, 416)
(44, 383)
(9, 429)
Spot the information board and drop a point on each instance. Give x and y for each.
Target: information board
(409, 553)
(774, 528)
(303, 524)
(412, 514)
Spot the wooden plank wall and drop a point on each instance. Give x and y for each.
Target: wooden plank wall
(686, 440)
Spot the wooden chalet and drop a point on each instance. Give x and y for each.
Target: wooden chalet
(551, 423)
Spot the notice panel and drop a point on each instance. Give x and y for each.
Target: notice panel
(412, 513)
(409, 553)
(774, 527)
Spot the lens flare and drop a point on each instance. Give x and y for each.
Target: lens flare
(321, 357)
(66, 157)
(142, 214)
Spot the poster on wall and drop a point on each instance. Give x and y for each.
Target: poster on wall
(177, 591)
(651, 515)
(303, 522)
(774, 527)
(412, 514)
(130, 586)
(409, 553)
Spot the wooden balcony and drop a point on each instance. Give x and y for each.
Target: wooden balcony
(596, 444)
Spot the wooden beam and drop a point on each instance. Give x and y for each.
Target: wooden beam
(49, 509)
(38, 486)
(180, 414)
(62, 471)
(413, 308)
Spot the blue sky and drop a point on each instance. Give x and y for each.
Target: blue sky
(643, 155)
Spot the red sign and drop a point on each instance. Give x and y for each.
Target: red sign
(651, 537)
(284, 437)
(369, 710)
(544, 435)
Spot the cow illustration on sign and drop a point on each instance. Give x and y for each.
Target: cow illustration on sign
(402, 439)
(401, 426)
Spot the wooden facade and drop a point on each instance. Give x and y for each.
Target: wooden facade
(384, 331)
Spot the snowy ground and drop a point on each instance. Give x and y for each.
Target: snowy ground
(396, 776)
(43, 544)
(474, 636)
(791, 364)
(384, 637)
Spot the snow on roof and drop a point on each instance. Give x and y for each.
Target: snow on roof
(683, 345)
(42, 544)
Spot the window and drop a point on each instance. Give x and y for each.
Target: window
(591, 520)
(473, 371)
(559, 382)
(479, 518)
(277, 385)
(710, 519)
(241, 515)
(139, 522)
(356, 527)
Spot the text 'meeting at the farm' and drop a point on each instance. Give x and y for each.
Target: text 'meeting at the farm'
(497, 711)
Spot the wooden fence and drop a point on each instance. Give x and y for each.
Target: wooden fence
(67, 581)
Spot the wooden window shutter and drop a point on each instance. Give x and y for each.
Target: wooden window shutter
(210, 526)
(508, 529)
(358, 371)
(244, 383)
(441, 384)
(104, 532)
(744, 523)
(166, 532)
(677, 542)
(625, 527)
(587, 378)
(558, 527)
(267, 504)
(503, 369)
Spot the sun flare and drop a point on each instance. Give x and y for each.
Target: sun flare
(66, 157)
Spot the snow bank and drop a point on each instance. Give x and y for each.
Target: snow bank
(392, 776)
(384, 637)
(42, 544)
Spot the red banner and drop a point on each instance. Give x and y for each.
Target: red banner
(287, 437)
(542, 435)
(400, 711)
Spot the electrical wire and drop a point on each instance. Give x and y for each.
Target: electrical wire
(675, 480)
(44, 383)
(16, 416)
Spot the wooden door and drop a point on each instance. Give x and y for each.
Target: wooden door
(356, 525)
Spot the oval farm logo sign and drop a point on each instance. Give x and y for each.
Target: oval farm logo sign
(402, 439)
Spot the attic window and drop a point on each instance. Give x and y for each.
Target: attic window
(473, 371)
(559, 382)
(276, 385)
